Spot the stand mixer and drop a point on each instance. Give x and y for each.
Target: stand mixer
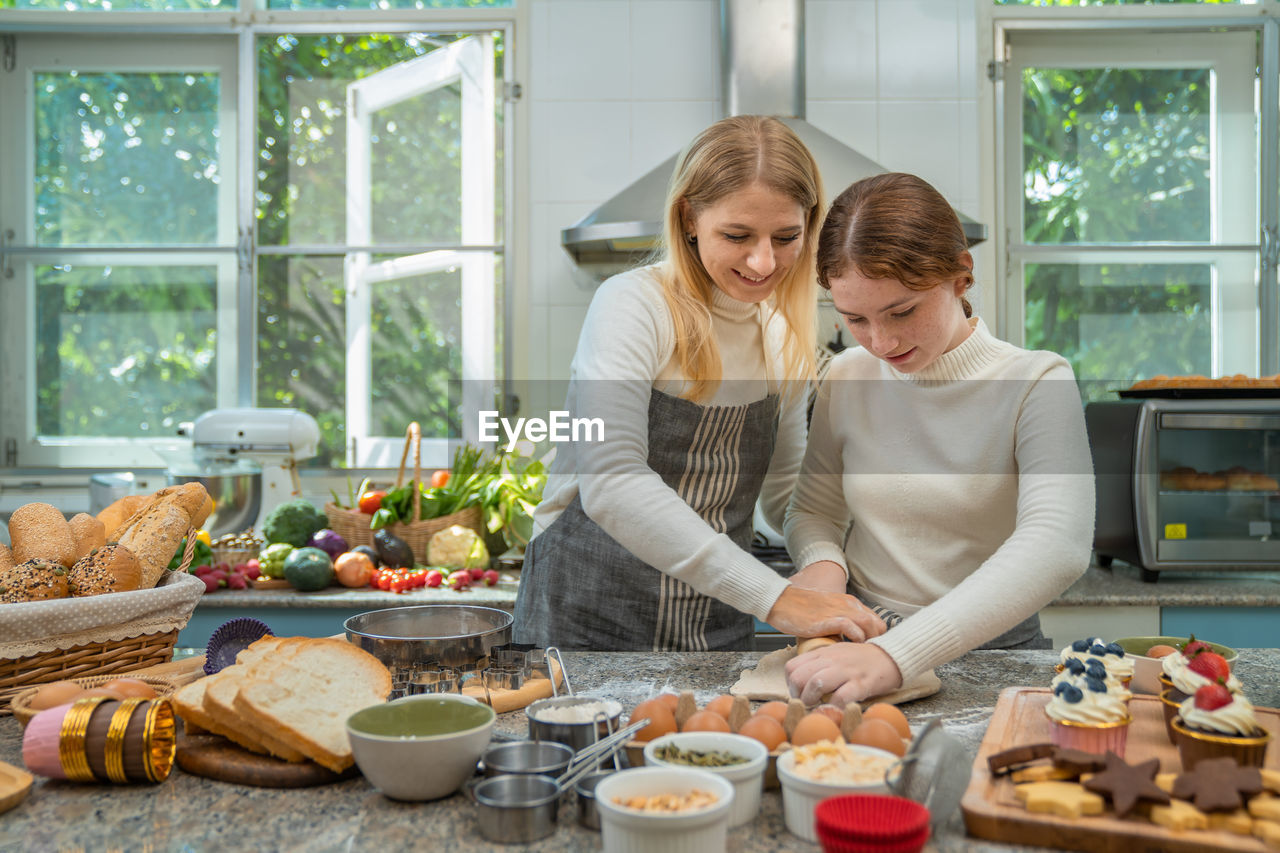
(247, 459)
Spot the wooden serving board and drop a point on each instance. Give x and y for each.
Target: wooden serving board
(217, 758)
(992, 811)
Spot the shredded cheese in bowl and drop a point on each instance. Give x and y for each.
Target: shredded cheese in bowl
(695, 799)
(836, 763)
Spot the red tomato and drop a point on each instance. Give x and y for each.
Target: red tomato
(371, 501)
(384, 581)
(434, 578)
(439, 479)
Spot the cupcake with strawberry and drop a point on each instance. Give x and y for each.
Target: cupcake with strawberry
(1088, 717)
(1118, 664)
(1215, 722)
(1203, 666)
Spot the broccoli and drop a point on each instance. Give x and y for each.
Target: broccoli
(293, 522)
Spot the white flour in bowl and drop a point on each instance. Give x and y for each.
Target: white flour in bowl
(579, 712)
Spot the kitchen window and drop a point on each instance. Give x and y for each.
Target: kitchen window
(1137, 188)
(302, 209)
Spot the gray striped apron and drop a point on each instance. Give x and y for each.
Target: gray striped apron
(580, 589)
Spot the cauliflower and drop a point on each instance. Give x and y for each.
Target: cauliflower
(293, 522)
(272, 559)
(457, 547)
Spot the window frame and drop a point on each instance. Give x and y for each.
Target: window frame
(1001, 141)
(239, 32)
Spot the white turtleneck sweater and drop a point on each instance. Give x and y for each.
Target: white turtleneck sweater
(626, 350)
(969, 485)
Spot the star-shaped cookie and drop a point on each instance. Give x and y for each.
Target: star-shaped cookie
(1065, 799)
(1125, 784)
(1218, 784)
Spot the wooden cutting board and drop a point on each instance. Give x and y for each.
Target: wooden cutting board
(217, 758)
(992, 811)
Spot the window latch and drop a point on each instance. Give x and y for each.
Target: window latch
(6, 240)
(10, 47)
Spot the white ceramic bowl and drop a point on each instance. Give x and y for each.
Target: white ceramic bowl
(414, 766)
(1146, 670)
(801, 796)
(629, 831)
(747, 778)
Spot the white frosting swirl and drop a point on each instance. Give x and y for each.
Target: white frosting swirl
(1092, 708)
(1172, 664)
(1235, 718)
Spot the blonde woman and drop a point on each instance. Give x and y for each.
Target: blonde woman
(697, 366)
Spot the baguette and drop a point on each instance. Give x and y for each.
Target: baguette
(39, 531)
(119, 512)
(306, 703)
(153, 538)
(88, 533)
(192, 497)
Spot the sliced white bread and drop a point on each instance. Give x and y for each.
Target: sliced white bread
(188, 701)
(306, 703)
(257, 661)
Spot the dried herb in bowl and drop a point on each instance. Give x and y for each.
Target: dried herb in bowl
(673, 754)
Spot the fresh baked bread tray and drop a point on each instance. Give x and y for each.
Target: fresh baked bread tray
(993, 811)
(70, 638)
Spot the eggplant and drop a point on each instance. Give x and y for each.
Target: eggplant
(368, 552)
(392, 550)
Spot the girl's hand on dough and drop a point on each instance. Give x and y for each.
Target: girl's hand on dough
(805, 612)
(847, 672)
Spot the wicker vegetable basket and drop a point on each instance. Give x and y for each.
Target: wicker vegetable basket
(353, 525)
(97, 635)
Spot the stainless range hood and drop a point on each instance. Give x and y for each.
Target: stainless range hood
(761, 71)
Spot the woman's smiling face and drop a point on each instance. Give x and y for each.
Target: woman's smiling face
(907, 328)
(749, 240)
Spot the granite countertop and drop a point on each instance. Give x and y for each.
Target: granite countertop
(188, 813)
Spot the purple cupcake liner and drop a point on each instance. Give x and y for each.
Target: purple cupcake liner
(232, 637)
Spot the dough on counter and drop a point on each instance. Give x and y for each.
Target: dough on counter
(769, 681)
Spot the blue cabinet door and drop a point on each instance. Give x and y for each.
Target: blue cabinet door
(1238, 627)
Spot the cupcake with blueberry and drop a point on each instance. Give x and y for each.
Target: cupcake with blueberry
(1075, 671)
(1088, 717)
(1216, 722)
(1113, 657)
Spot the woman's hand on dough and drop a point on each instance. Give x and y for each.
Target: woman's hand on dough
(849, 672)
(813, 613)
(824, 575)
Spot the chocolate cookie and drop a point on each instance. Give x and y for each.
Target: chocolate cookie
(1218, 784)
(1125, 784)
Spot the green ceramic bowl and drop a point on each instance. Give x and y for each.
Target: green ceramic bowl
(1146, 670)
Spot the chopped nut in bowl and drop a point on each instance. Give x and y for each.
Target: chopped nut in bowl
(664, 810)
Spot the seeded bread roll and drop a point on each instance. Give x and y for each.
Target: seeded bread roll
(118, 513)
(39, 531)
(88, 533)
(33, 580)
(6, 558)
(111, 568)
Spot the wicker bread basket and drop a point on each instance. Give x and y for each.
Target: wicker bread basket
(20, 706)
(353, 525)
(112, 654)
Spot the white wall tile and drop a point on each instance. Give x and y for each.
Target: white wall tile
(554, 278)
(579, 150)
(852, 122)
(970, 193)
(968, 75)
(662, 128)
(587, 54)
(920, 137)
(840, 49)
(917, 49)
(674, 49)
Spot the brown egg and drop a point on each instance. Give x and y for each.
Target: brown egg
(765, 729)
(706, 721)
(131, 688)
(720, 705)
(669, 699)
(1160, 650)
(661, 720)
(813, 728)
(880, 735)
(834, 712)
(775, 709)
(101, 690)
(891, 715)
(57, 693)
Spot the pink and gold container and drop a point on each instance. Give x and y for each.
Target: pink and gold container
(99, 739)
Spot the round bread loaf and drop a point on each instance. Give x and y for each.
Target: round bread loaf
(111, 568)
(33, 580)
(40, 531)
(88, 533)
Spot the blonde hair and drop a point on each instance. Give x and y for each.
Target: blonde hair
(731, 155)
(894, 226)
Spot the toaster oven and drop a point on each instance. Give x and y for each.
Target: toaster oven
(1187, 481)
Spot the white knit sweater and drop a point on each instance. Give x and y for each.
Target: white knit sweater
(969, 485)
(625, 352)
